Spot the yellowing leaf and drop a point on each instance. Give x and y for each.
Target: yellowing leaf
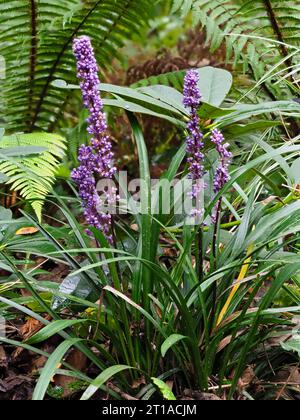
(241, 277)
(27, 231)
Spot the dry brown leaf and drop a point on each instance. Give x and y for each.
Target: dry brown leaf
(135, 227)
(122, 394)
(269, 200)
(290, 375)
(158, 311)
(38, 363)
(248, 377)
(297, 190)
(226, 341)
(170, 252)
(31, 327)
(200, 396)
(13, 381)
(57, 274)
(79, 362)
(170, 384)
(136, 384)
(3, 358)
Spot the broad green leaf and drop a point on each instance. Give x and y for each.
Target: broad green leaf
(141, 101)
(3, 178)
(292, 345)
(5, 214)
(167, 95)
(173, 97)
(214, 85)
(157, 96)
(139, 109)
(78, 286)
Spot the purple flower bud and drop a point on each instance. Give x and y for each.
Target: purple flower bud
(95, 159)
(222, 174)
(191, 92)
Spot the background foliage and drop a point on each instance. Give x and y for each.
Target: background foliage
(208, 309)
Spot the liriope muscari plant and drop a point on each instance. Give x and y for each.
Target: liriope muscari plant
(195, 142)
(95, 159)
(221, 175)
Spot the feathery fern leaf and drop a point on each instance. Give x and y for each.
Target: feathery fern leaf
(173, 79)
(33, 176)
(36, 43)
(242, 24)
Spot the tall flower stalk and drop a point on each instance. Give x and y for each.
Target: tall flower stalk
(221, 176)
(195, 145)
(96, 159)
(192, 100)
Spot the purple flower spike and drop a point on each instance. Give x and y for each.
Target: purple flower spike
(195, 145)
(222, 174)
(96, 159)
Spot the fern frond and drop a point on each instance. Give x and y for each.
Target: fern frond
(173, 79)
(244, 26)
(33, 176)
(36, 43)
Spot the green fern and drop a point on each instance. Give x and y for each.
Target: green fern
(242, 24)
(173, 79)
(36, 43)
(33, 176)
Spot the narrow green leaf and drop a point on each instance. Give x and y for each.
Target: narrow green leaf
(102, 379)
(50, 368)
(164, 389)
(52, 329)
(171, 341)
